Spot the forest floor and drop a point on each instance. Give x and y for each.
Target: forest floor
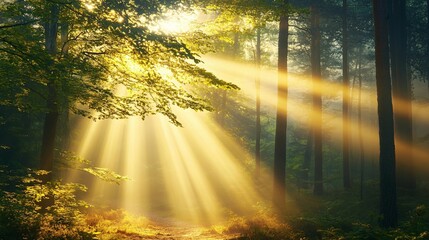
(116, 224)
(334, 220)
(174, 232)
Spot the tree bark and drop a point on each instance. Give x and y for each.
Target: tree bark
(281, 117)
(402, 95)
(346, 101)
(65, 113)
(361, 147)
(317, 97)
(427, 41)
(388, 208)
(51, 116)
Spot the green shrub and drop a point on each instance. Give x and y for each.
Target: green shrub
(23, 217)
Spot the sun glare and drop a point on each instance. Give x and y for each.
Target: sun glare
(175, 22)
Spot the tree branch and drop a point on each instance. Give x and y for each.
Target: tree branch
(18, 24)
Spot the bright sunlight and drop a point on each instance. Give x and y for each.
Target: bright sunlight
(214, 120)
(176, 22)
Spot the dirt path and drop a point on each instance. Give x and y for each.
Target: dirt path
(174, 232)
(117, 225)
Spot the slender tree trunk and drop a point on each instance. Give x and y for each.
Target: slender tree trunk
(388, 208)
(402, 95)
(51, 117)
(352, 97)
(236, 46)
(223, 111)
(317, 97)
(307, 160)
(346, 101)
(361, 147)
(427, 41)
(65, 123)
(258, 103)
(281, 117)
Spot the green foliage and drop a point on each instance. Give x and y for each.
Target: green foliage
(109, 63)
(342, 216)
(362, 231)
(23, 216)
(68, 160)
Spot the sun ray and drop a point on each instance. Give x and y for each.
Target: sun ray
(200, 173)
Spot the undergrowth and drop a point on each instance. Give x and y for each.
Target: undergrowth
(24, 216)
(118, 224)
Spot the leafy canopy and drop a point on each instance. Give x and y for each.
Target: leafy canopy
(108, 61)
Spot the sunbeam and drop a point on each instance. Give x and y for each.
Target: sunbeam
(300, 108)
(196, 173)
(199, 173)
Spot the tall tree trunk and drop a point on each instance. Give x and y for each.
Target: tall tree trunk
(258, 103)
(361, 147)
(317, 97)
(65, 114)
(402, 95)
(388, 208)
(346, 101)
(51, 117)
(427, 41)
(281, 116)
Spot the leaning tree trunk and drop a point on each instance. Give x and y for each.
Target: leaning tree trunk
(281, 117)
(402, 95)
(346, 102)
(388, 208)
(317, 97)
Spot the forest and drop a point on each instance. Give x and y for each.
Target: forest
(214, 119)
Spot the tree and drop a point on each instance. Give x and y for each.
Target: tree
(281, 114)
(317, 98)
(346, 100)
(402, 95)
(388, 209)
(86, 71)
(360, 139)
(51, 117)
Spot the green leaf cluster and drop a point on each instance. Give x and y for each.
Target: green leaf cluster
(68, 160)
(109, 63)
